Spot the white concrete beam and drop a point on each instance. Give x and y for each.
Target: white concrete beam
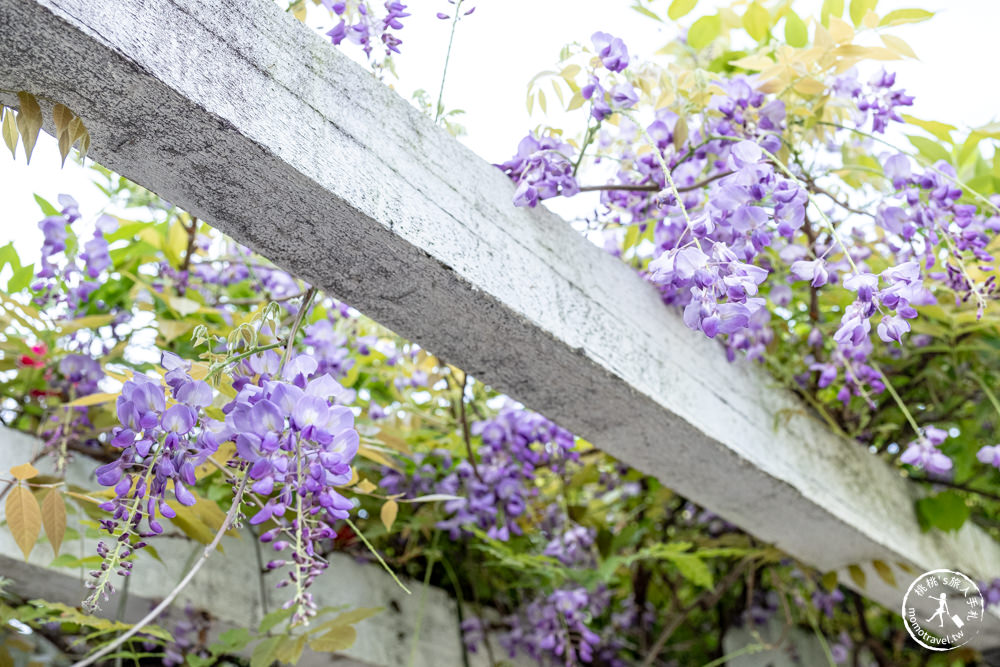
(245, 118)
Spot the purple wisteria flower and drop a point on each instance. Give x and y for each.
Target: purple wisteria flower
(541, 169)
(573, 547)
(878, 98)
(611, 50)
(494, 493)
(359, 24)
(160, 449)
(298, 445)
(923, 452)
(990, 455)
(827, 602)
(60, 279)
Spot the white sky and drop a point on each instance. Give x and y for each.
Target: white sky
(505, 42)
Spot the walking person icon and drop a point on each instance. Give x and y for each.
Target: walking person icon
(941, 610)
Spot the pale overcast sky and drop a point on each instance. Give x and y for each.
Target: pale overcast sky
(506, 42)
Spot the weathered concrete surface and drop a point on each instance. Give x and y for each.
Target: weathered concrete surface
(242, 116)
(230, 587)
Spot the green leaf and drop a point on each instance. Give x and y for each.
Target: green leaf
(645, 11)
(757, 21)
(264, 652)
(233, 639)
(704, 31)
(940, 130)
(21, 278)
(944, 511)
(47, 208)
(679, 8)
(692, 568)
(8, 255)
(274, 618)
(829, 581)
(859, 8)
(931, 150)
(71, 561)
(831, 8)
(900, 16)
(796, 32)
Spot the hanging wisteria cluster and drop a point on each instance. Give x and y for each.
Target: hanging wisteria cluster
(739, 237)
(292, 441)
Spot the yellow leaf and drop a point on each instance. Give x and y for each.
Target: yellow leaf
(374, 455)
(841, 31)
(348, 618)
(84, 144)
(226, 451)
(388, 514)
(290, 648)
(870, 20)
(755, 62)
(65, 144)
(76, 129)
(177, 242)
(54, 518)
(24, 471)
(24, 518)
(339, 638)
(666, 98)
(873, 52)
(809, 86)
(10, 131)
(905, 16)
(171, 329)
(569, 72)
(183, 305)
(829, 581)
(29, 121)
(898, 45)
(884, 572)
(575, 102)
(857, 575)
(199, 370)
(92, 399)
(680, 133)
(88, 322)
(365, 486)
(63, 117)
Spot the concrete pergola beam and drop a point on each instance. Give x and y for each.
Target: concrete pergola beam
(247, 119)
